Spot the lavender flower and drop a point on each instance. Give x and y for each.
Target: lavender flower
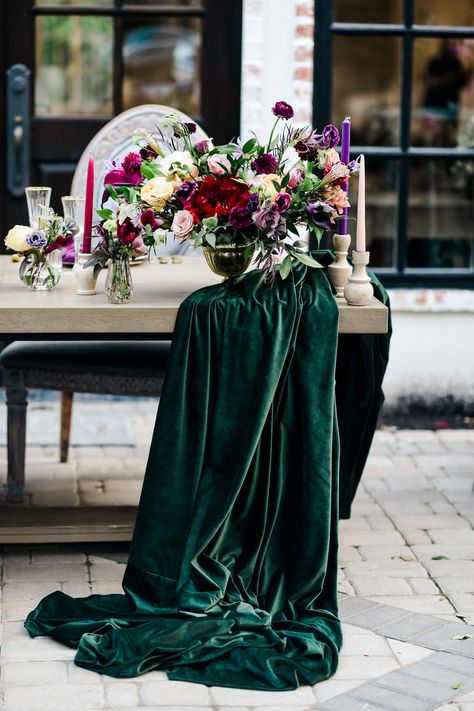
(265, 163)
(329, 137)
(283, 110)
(37, 239)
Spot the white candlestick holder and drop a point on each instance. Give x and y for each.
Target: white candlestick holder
(358, 290)
(85, 279)
(340, 270)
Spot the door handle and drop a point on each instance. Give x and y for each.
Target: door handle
(18, 129)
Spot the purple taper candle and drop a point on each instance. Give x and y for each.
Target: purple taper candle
(345, 153)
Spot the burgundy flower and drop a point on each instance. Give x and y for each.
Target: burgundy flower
(148, 218)
(61, 241)
(265, 163)
(282, 202)
(283, 110)
(132, 163)
(307, 150)
(329, 137)
(240, 217)
(148, 153)
(118, 176)
(126, 232)
(216, 195)
(191, 127)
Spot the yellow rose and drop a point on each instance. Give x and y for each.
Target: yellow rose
(156, 192)
(16, 238)
(266, 181)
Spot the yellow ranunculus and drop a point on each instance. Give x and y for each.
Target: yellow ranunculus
(266, 181)
(156, 192)
(16, 238)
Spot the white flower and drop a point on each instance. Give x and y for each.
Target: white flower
(129, 210)
(160, 236)
(181, 161)
(16, 238)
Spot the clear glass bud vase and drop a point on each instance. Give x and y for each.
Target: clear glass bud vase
(119, 284)
(38, 273)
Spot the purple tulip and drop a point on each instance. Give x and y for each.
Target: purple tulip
(283, 110)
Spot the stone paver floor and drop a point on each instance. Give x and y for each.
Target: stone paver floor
(406, 582)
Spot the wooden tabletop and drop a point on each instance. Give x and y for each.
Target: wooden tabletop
(159, 290)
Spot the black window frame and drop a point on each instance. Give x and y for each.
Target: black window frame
(324, 30)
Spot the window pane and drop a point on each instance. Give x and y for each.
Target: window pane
(71, 3)
(366, 87)
(179, 3)
(388, 11)
(73, 66)
(162, 61)
(445, 12)
(382, 177)
(441, 215)
(443, 92)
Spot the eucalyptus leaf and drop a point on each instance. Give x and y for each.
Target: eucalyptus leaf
(304, 258)
(211, 240)
(285, 267)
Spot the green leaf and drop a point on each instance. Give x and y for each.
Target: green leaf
(210, 222)
(147, 171)
(285, 267)
(105, 214)
(439, 557)
(276, 185)
(211, 240)
(304, 258)
(249, 145)
(291, 228)
(112, 192)
(457, 685)
(249, 250)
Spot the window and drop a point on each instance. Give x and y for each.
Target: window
(404, 71)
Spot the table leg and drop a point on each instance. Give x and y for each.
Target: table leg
(16, 434)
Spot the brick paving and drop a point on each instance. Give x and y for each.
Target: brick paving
(406, 583)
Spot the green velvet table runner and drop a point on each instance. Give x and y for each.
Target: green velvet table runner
(231, 579)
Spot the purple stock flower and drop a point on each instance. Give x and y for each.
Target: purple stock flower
(265, 163)
(185, 190)
(282, 202)
(283, 110)
(329, 137)
(37, 239)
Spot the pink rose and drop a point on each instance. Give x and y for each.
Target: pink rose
(183, 223)
(218, 164)
(296, 177)
(138, 247)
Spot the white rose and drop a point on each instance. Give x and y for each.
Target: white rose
(185, 163)
(156, 192)
(16, 238)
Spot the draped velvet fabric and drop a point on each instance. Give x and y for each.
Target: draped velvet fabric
(231, 578)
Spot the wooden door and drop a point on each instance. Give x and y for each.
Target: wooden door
(88, 60)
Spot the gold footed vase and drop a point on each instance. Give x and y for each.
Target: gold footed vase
(227, 260)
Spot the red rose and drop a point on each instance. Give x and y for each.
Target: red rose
(216, 196)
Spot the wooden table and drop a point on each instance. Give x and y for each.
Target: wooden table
(62, 314)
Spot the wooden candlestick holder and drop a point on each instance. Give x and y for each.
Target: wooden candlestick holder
(340, 270)
(358, 290)
(85, 279)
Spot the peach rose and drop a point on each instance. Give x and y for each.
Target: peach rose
(156, 192)
(267, 182)
(183, 224)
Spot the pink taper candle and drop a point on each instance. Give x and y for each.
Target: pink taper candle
(89, 206)
(345, 153)
(360, 233)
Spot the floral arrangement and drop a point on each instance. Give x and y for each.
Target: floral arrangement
(53, 232)
(245, 194)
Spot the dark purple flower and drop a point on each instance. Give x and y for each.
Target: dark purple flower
(329, 137)
(307, 150)
(132, 163)
(318, 216)
(147, 153)
(265, 163)
(253, 202)
(354, 167)
(191, 127)
(203, 146)
(185, 190)
(37, 239)
(240, 218)
(126, 232)
(283, 110)
(282, 202)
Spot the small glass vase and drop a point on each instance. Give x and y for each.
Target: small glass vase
(118, 283)
(227, 260)
(38, 273)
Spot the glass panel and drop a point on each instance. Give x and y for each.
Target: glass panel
(161, 59)
(441, 213)
(444, 12)
(389, 11)
(74, 70)
(443, 93)
(366, 87)
(71, 3)
(382, 177)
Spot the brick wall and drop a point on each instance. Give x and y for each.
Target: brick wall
(277, 60)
